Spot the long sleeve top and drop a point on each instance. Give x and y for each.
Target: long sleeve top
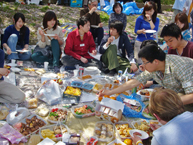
(2, 56)
(12, 30)
(120, 17)
(94, 18)
(76, 47)
(57, 31)
(142, 24)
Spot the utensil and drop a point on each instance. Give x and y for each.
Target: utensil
(145, 36)
(13, 52)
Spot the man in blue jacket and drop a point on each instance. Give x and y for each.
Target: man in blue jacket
(114, 49)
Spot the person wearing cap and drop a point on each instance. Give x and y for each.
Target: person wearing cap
(96, 26)
(116, 50)
(175, 123)
(170, 71)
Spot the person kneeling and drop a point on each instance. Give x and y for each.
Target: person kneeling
(78, 43)
(114, 48)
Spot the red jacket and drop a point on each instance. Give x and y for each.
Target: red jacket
(77, 48)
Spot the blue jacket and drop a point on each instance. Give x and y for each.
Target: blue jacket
(124, 45)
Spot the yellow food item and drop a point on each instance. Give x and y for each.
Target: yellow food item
(98, 87)
(72, 91)
(123, 130)
(128, 141)
(85, 77)
(117, 144)
(34, 140)
(48, 133)
(29, 69)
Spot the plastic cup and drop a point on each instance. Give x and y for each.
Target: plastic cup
(46, 65)
(13, 61)
(76, 71)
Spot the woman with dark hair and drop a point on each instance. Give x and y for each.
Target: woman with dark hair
(118, 15)
(16, 37)
(181, 20)
(147, 21)
(50, 41)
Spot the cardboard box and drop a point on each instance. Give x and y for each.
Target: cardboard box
(109, 109)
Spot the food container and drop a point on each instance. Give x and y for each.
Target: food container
(143, 134)
(74, 139)
(56, 121)
(83, 115)
(97, 87)
(93, 141)
(116, 141)
(147, 96)
(70, 98)
(72, 91)
(24, 122)
(145, 127)
(147, 115)
(76, 84)
(124, 127)
(104, 131)
(87, 87)
(53, 128)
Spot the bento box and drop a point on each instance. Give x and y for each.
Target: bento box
(104, 131)
(53, 132)
(122, 128)
(83, 110)
(57, 114)
(30, 125)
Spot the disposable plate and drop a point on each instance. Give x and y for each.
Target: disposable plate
(150, 31)
(143, 135)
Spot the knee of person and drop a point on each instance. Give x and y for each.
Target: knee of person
(13, 36)
(101, 30)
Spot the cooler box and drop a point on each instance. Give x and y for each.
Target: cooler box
(76, 3)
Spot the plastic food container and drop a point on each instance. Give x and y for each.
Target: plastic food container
(77, 84)
(87, 86)
(51, 127)
(63, 120)
(124, 128)
(101, 131)
(145, 97)
(94, 142)
(146, 115)
(83, 115)
(116, 141)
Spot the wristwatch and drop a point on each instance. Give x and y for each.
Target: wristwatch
(149, 20)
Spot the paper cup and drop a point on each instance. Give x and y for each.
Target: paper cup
(13, 61)
(46, 65)
(76, 72)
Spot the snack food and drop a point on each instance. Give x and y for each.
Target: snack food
(34, 140)
(31, 103)
(144, 126)
(72, 91)
(4, 111)
(42, 111)
(29, 69)
(83, 110)
(145, 92)
(85, 77)
(146, 113)
(56, 114)
(123, 130)
(60, 76)
(98, 87)
(117, 144)
(7, 66)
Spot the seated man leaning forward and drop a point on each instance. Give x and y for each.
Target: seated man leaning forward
(114, 48)
(174, 39)
(78, 43)
(94, 19)
(9, 93)
(170, 71)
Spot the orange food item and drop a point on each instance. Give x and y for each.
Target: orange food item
(85, 77)
(128, 141)
(106, 96)
(108, 85)
(113, 98)
(100, 98)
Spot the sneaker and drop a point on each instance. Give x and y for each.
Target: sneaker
(56, 69)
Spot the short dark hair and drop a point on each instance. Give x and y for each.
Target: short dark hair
(151, 52)
(49, 15)
(81, 21)
(148, 42)
(90, 1)
(171, 30)
(183, 18)
(118, 25)
(148, 6)
(117, 4)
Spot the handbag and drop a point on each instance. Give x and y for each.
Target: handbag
(45, 51)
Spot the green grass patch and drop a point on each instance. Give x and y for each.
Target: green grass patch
(32, 24)
(45, 8)
(104, 17)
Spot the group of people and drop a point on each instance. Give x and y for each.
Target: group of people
(172, 71)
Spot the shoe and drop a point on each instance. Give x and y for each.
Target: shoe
(56, 69)
(105, 70)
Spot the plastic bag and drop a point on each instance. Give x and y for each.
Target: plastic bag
(17, 115)
(129, 10)
(128, 112)
(50, 93)
(11, 134)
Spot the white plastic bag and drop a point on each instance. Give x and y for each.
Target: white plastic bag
(17, 115)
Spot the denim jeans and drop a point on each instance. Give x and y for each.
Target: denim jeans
(65, 2)
(55, 59)
(12, 43)
(97, 32)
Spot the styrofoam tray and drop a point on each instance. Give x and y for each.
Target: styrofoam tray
(62, 121)
(116, 141)
(84, 115)
(107, 139)
(144, 97)
(144, 135)
(51, 127)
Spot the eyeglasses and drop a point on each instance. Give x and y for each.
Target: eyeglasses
(144, 63)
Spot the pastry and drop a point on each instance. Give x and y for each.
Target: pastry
(34, 140)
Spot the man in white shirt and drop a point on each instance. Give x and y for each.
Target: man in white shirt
(114, 48)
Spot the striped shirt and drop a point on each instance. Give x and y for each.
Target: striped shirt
(178, 74)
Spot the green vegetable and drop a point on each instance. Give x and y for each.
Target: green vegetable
(79, 113)
(90, 108)
(53, 114)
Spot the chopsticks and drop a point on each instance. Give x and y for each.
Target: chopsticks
(14, 52)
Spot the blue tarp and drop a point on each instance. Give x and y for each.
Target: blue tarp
(128, 8)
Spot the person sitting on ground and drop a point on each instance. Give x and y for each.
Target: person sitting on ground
(94, 19)
(147, 21)
(78, 43)
(16, 37)
(174, 39)
(114, 48)
(170, 71)
(176, 128)
(9, 93)
(118, 15)
(181, 20)
(50, 41)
